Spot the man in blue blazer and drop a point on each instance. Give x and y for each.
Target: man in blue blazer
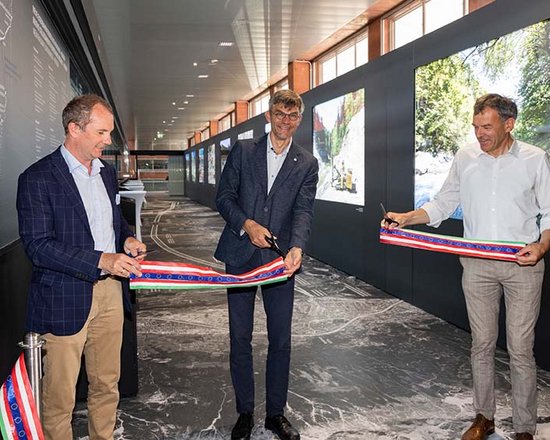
(82, 252)
(267, 189)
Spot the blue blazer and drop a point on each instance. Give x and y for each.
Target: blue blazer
(57, 238)
(287, 210)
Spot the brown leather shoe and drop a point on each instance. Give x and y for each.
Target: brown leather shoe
(480, 429)
(524, 436)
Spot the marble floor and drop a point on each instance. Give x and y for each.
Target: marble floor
(365, 365)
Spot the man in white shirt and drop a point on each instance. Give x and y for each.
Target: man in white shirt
(503, 187)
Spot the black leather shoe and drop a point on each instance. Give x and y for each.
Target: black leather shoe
(280, 426)
(243, 427)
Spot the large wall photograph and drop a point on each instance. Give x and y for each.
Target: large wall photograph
(188, 166)
(225, 147)
(339, 146)
(193, 166)
(516, 65)
(201, 165)
(211, 176)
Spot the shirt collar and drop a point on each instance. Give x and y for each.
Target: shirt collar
(74, 164)
(270, 146)
(514, 149)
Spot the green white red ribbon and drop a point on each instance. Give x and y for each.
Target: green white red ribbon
(495, 250)
(164, 275)
(18, 416)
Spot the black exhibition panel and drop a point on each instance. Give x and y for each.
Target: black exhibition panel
(337, 234)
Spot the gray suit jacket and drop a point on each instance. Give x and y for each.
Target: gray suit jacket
(286, 211)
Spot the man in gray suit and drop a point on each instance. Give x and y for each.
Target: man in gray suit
(267, 189)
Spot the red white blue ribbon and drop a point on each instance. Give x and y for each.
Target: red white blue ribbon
(18, 416)
(164, 275)
(494, 250)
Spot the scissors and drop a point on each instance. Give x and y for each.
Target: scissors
(142, 253)
(387, 219)
(273, 245)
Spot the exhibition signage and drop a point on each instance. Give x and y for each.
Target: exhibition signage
(495, 250)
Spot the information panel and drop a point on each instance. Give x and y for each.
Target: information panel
(34, 88)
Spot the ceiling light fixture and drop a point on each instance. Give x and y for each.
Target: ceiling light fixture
(195, 64)
(202, 76)
(173, 103)
(225, 43)
(181, 108)
(189, 96)
(186, 102)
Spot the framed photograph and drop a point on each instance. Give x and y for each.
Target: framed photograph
(339, 146)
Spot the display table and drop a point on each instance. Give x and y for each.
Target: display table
(139, 199)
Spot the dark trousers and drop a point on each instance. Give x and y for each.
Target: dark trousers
(278, 302)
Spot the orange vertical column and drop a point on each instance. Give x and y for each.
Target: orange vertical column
(375, 39)
(197, 137)
(299, 76)
(213, 125)
(477, 4)
(241, 111)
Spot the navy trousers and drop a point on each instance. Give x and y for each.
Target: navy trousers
(278, 300)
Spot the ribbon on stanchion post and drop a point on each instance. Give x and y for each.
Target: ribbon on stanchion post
(19, 417)
(32, 345)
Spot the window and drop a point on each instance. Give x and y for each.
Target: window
(345, 60)
(281, 85)
(205, 134)
(259, 104)
(224, 123)
(419, 17)
(345, 57)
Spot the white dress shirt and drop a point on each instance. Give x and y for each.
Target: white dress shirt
(96, 201)
(274, 162)
(502, 197)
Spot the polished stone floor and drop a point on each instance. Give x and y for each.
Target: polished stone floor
(365, 365)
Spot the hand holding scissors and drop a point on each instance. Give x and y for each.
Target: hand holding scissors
(387, 220)
(272, 241)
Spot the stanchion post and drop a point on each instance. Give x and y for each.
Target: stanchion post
(32, 345)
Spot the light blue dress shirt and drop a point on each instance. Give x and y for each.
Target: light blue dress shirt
(96, 201)
(274, 162)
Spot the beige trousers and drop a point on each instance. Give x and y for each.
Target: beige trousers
(100, 341)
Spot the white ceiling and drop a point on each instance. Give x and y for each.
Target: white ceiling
(148, 48)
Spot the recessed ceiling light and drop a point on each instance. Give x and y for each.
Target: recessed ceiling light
(189, 96)
(173, 103)
(164, 122)
(214, 61)
(195, 64)
(202, 76)
(225, 43)
(181, 108)
(186, 102)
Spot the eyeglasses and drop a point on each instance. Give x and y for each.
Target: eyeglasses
(280, 116)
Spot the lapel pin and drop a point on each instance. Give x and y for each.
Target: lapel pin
(295, 160)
